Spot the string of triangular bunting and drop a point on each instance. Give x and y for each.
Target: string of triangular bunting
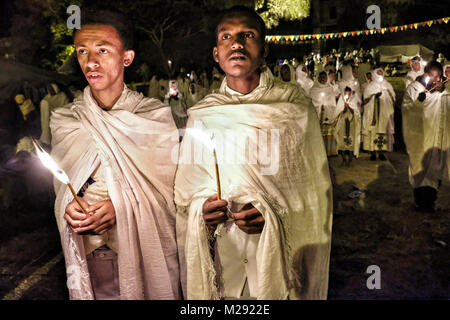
(292, 39)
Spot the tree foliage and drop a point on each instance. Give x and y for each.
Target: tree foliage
(272, 11)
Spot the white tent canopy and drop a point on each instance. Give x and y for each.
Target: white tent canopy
(403, 53)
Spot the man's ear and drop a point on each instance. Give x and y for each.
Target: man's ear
(128, 58)
(216, 54)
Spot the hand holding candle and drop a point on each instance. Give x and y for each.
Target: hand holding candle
(59, 173)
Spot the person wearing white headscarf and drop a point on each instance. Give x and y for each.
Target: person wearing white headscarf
(416, 70)
(378, 118)
(53, 100)
(287, 73)
(348, 80)
(368, 77)
(446, 71)
(348, 126)
(324, 101)
(332, 81)
(426, 130)
(303, 79)
(175, 99)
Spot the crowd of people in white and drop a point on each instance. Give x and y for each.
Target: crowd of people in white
(352, 97)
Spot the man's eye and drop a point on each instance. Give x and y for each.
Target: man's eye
(226, 36)
(249, 35)
(82, 51)
(103, 51)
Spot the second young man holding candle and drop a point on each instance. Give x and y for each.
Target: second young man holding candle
(276, 210)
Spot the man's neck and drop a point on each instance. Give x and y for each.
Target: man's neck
(106, 99)
(244, 85)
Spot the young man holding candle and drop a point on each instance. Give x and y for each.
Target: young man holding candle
(115, 144)
(378, 117)
(269, 235)
(426, 119)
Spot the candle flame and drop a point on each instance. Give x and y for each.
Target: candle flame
(322, 94)
(49, 163)
(427, 79)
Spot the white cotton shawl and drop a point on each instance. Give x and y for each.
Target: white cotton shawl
(426, 130)
(296, 201)
(412, 75)
(133, 141)
(348, 80)
(323, 94)
(303, 80)
(292, 73)
(356, 119)
(387, 99)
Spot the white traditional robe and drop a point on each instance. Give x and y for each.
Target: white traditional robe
(348, 125)
(412, 75)
(292, 73)
(378, 123)
(348, 80)
(134, 142)
(48, 104)
(324, 101)
(426, 130)
(292, 188)
(303, 80)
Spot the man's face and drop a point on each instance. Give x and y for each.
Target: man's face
(101, 56)
(434, 75)
(416, 65)
(322, 78)
(332, 77)
(369, 76)
(239, 49)
(447, 72)
(285, 73)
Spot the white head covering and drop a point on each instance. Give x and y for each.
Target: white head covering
(292, 72)
(300, 74)
(419, 60)
(347, 73)
(302, 78)
(445, 67)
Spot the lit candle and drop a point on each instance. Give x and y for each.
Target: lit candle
(208, 141)
(59, 173)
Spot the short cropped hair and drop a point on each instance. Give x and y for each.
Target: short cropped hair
(237, 11)
(91, 16)
(433, 65)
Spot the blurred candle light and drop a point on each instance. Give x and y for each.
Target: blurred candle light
(54, 168)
